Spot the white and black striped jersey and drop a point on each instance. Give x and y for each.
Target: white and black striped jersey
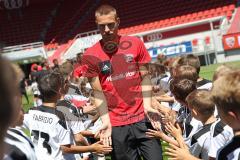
(72, 116)
(204, 84)
(190, 125)
(76, 101)
(221, 134)
(49, 131)
(18, 146)
(200, 142)
(74, 90)
(209, 139)
(230, 151)
(73, 119)
(164, 82)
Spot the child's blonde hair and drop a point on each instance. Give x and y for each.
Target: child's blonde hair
(201, 102)
(226, 91)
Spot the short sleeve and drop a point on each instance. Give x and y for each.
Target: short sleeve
(64, 135)
(90, 65)
(71, 116)
(143, 55)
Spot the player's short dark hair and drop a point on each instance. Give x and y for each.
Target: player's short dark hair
(180, 88)
(105, 9)
(50, 85)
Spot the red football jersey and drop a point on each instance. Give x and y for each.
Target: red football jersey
(120, 78)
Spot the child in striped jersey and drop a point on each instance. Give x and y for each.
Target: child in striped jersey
(202, 109)
(226, 95)
(180, 89)
(74, 107)
(6, 100)
(16, 143)
(213, 130)
(50, 132)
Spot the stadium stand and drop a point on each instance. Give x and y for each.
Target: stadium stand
(67, 16)
(24, 26)
(185, 13)
(56, 23)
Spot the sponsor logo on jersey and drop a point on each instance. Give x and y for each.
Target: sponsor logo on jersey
(105, 67)
(121, 76)
(129, 58)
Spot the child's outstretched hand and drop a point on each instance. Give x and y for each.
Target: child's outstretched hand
(98, 147)
(154, 133)
(174, 131)
(179, 153)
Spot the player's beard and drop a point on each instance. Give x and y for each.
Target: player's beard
(110, 47)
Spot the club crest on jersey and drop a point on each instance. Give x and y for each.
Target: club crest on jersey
(129, 57)
(105, 67)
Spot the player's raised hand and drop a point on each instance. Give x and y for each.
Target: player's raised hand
(105, 134)
(154, 117)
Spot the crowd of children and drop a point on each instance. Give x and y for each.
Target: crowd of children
(199, 118)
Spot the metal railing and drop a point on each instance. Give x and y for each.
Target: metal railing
(22, 47)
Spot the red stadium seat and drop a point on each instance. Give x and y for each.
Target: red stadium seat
(72, 18)
(200, 14)
(194, 15)
(225, 8)
(231, 7)
(218, 10)
(188, 16)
